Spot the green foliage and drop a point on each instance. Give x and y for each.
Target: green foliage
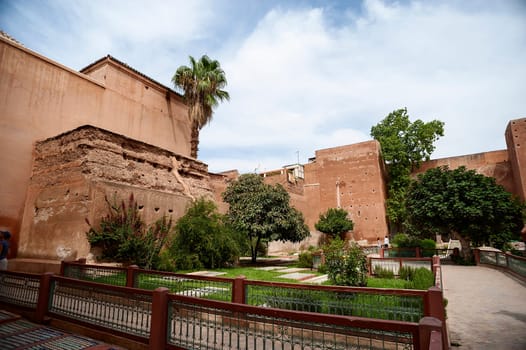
(262, 212)
(422, 279)
(124, 237)
(305, 259)
(381, 272)
(334, 222)
(466, 204)
(203, 239)
(406, 273)
(202, 84)
(403, 240)
(375, 282)
(404, 146)
(346, 266)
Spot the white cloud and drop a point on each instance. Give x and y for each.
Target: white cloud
(300, 83)
(304, 78)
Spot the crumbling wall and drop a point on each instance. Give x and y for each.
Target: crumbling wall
(75, 172)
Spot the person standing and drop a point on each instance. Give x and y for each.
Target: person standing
(4, 245)
(386, 242)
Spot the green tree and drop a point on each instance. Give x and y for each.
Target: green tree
(404, 146)
(334, 222)
(262, 212)
(124, 237)
(469, 206)
(203, 238)
(203, 84)
(346, 266)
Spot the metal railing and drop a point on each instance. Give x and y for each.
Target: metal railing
(511, 263)
(378, 303)
(166, 320)
(20, 289)
(395, 264)
(215, 325)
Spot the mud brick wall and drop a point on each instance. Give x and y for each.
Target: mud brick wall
(75, 172)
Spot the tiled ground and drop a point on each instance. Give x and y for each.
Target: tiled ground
(18, 333)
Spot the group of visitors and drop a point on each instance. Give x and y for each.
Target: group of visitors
(386, 242)
(4, 245)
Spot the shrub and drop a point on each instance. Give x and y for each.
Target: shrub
(407, 273)
(422, 279)
(305, 259)
(381, 272)
(204, 238)
(346, 266)
(428, 247)
(124, 237)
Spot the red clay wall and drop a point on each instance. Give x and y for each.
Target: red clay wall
(353, 176)
(40, 98)
(516, 142)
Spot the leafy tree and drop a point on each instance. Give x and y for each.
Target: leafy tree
(472, 207)
(262, 212)
(202, 84)
(334, 222)
(404, 146)
(124, 237)
(203, 238)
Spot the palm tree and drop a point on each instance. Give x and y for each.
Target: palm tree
(202, 84)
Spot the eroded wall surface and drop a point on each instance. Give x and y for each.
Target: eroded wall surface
(76, 173)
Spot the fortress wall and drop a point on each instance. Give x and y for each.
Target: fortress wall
(516, 142)
(40, 98)
(73, 175)
(351, 176)
(493, 164)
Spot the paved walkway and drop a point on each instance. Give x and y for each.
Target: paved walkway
(486, 310)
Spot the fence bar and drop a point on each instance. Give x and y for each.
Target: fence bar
(43, 297)
(130, 275)
(238, 290)
(158, 326)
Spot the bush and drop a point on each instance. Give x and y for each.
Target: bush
(204, 239)
(305, 259)
(407, 273)
(422, 279)
(428, 247)
(124, 237)
(346, 266)
(402, 240)
(381, 272)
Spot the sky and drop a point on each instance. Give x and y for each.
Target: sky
(307, 75)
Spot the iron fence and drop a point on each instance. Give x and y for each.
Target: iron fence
(20, 289)
(386, 304)
(216, 325)
(512, 263)
(215, 288)
(120, 309)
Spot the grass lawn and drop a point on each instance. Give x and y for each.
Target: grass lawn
(253, 273)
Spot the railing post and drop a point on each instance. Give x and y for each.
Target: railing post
(159, 320)
(44, 291)
(426, 327)
(382, 252)
(418, 252)
(238, 290)
(434, 307)
(62, 267)
(130, 276)
(476, 254)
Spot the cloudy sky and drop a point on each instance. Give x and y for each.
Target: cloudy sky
(307, 75)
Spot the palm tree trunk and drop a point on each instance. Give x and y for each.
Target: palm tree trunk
(194, 142)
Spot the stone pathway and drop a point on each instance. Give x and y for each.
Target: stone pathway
(486, 309)
(296, 273)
